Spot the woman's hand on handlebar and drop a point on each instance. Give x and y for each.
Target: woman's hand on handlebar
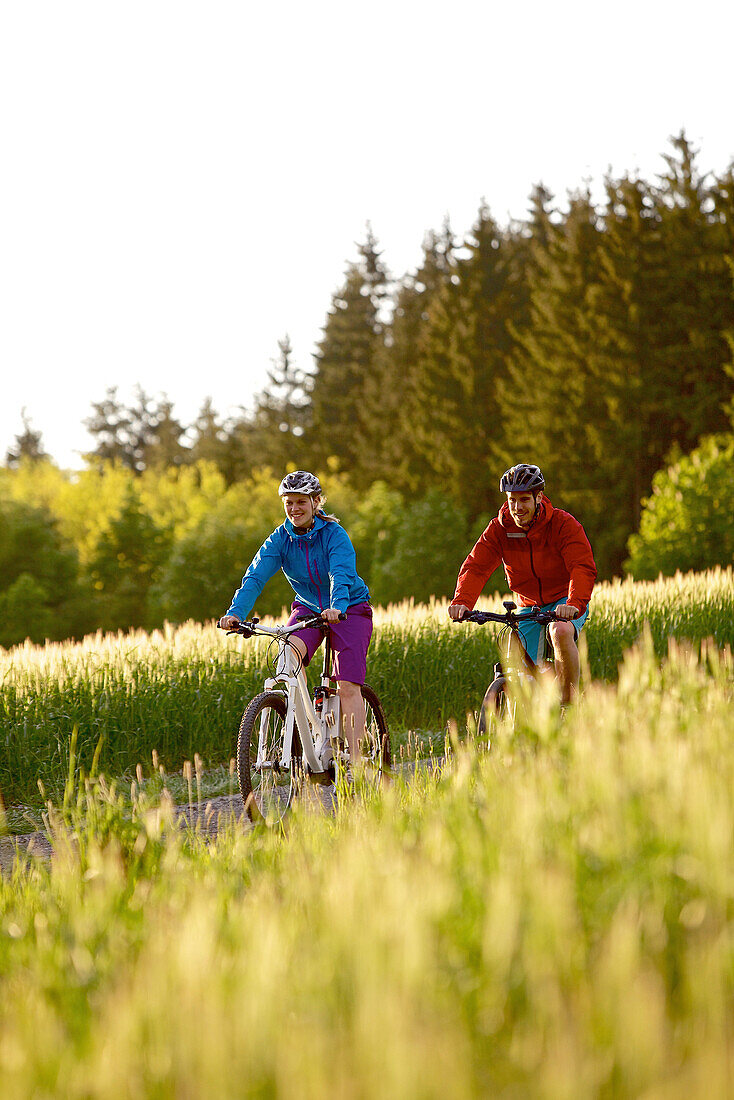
(457, 611)
(332, 615)
(229, 622)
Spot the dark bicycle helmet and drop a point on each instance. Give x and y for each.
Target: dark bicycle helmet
(523, 478)
(300, 481)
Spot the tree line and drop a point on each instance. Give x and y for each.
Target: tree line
(109, 549)
(595, 340)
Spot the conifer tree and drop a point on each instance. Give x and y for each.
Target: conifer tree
(164, 445)
(462, 358)
(546, 394)
(228, 443)
(694, 300)
(626, 389)
(626, 352)
(345, 358)
(658, 353)
(110, 425)
(209, 436)
(28, 445)
(138, 435)
(281, 413)
(394, 397)
(124, 565)
(723, 200)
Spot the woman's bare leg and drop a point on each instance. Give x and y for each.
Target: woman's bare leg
(353, 715)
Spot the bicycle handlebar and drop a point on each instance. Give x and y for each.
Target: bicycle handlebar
(248, 627)
(513, 618)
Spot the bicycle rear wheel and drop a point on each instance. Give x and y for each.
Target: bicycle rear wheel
(267, 788)
(376, 750)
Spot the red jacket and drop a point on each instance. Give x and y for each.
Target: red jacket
(550, 561)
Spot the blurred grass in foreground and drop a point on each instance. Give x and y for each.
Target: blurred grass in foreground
(554, 919)
(183, 690)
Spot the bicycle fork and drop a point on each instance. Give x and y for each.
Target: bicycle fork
(315, 730)
(519, 674)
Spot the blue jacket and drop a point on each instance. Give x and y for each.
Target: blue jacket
(320, 566)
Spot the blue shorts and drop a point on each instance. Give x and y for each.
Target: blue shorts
(533, 635)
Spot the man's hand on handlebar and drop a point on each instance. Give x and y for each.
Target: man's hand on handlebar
(567, 611)
(457, 611)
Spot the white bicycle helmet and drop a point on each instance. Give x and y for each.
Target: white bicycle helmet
(300, 481)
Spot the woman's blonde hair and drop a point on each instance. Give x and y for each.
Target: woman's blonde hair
(321, 497)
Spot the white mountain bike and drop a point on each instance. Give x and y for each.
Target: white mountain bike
(285, 735)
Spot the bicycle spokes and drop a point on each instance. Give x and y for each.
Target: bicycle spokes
(284, 735)
(267, 785)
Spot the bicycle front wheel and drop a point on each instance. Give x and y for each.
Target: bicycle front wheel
(267, 788)
(494, 705)
(376, 750)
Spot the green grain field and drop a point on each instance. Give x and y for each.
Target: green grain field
(552, 918)
(182, 691)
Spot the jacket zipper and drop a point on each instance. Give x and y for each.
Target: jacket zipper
(318, 586)
(532, 566)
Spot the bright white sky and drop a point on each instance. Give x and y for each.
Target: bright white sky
(184, 182)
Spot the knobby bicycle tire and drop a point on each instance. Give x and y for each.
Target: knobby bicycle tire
(266, 795)
(494, 705)
(376, 748)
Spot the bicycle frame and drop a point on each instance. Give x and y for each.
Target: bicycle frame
(514, 672)
(315, 729)
(512, 620)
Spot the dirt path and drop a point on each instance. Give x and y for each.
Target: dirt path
(206, 818)
(35, 844)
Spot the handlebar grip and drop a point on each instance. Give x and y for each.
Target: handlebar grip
(342, 616)
(241, 623)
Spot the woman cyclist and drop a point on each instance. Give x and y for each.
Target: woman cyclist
(317, 558)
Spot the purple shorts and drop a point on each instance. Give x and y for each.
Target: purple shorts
(350, 639)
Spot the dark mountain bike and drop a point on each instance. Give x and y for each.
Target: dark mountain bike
(518, 664)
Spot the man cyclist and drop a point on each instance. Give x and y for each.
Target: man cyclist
(548, 562)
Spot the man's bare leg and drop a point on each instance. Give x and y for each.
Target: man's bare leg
(568, 665)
